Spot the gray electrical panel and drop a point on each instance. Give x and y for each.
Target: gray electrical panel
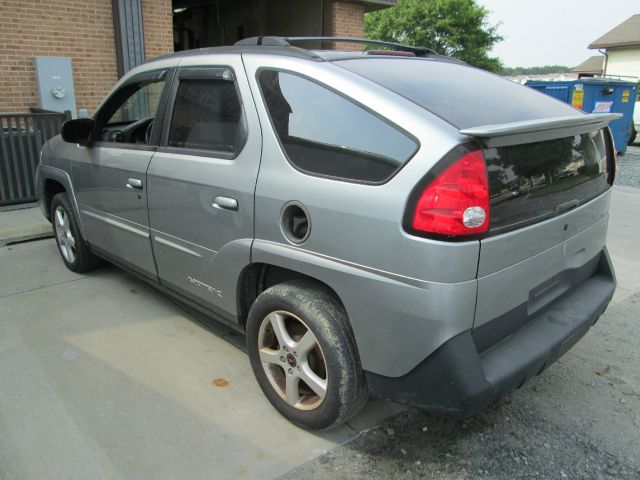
(54, 78)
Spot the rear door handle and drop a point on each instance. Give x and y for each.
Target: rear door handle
(225, 203)
(134, 183)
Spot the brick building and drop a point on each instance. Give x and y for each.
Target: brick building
(104, 38)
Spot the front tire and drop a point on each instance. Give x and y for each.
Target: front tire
(73, 249)
(304, 356)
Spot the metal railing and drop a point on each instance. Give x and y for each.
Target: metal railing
(21, 138)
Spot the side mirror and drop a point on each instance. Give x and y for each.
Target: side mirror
(78, 131)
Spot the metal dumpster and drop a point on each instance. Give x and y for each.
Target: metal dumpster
(597, 95)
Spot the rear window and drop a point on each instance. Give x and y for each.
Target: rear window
(461, 95)
(324, 133)
(534, 181)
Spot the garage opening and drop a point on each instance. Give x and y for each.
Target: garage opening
(213, 23)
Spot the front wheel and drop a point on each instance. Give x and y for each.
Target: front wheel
(73, 249)
(304, 356)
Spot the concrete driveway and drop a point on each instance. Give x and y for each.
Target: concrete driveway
(101, 377)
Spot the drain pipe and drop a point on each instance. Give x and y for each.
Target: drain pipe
(606, 61)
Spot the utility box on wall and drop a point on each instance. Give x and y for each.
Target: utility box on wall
(54, 79)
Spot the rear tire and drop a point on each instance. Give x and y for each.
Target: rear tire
(73, 249)
(304, 356)
(632, 137)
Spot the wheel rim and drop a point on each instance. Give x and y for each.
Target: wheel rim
(66, 240)
(292, 360)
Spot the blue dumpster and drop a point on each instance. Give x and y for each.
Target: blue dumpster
(597, 95)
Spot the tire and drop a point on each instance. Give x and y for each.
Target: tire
(632, 137)
(73, 249)
(297, 308)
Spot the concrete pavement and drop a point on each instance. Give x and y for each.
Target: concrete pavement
(104, 378)
(623, 240)
(21, 224)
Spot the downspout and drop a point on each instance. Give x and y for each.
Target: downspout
(606, 61)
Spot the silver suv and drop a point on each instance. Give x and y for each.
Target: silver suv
(391, 223)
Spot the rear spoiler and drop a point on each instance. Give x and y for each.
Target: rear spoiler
(596, 120)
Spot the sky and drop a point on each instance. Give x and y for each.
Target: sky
(553, 32)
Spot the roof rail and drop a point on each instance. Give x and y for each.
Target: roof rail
(287, 41)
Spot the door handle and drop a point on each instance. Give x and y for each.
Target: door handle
(134, 183)
(225, 203)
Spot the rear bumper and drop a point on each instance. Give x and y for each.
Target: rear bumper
(474, 369)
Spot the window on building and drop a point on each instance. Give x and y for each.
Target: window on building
(207, 116)
(324, 133)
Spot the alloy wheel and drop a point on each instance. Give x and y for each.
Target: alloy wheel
(293, 360)
(66, 240)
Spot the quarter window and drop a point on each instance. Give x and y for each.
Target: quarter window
(325, 134)
(207, 116)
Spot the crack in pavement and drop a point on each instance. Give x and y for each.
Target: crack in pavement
(43, 287)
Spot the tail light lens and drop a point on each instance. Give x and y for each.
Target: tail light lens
(456, 201)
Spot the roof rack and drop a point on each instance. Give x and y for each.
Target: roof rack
(287, 41)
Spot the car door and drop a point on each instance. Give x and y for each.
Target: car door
(110, 179)
(202, 180)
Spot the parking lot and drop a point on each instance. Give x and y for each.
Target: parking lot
(103, 377)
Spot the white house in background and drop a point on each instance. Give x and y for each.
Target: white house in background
(621, 47)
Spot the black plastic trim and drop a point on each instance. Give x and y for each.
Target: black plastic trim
(460, 380)
(272, 41)
(199, 153)
(611, 156)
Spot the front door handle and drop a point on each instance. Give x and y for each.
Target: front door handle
(225, 203)
(134, 183)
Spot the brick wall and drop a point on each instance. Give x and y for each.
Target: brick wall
(347, 21)
(82, 30)
(157, 17)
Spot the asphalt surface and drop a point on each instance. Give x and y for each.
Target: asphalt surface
(580, 419)
(629, 167)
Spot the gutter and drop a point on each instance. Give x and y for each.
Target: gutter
(606, 60)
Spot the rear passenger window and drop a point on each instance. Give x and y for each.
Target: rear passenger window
(207, 116)
(325, 134)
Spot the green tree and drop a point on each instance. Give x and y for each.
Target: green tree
(458, 28)
(535, 70)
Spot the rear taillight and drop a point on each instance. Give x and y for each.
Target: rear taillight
(456, 201)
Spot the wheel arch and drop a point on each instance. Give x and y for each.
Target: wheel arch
(257, 277)
(50, 188)
(58, 181)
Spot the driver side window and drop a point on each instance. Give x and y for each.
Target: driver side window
(129, 115)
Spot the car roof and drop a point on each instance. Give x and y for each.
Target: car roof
(294, 52)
